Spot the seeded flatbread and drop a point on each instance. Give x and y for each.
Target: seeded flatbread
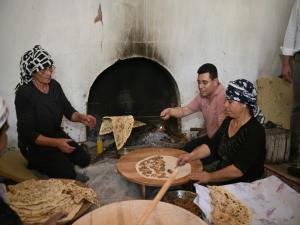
(227, 209)
(106, 125)
(160, 167)
(122, 127)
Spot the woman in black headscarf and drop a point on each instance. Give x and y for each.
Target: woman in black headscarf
(237, 151)
(7, 215)
(40, 105)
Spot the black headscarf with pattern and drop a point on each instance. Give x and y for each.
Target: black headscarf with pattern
(244, 91)
(33, 61)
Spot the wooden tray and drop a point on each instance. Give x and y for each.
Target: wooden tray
(126, 165)
(129, 212)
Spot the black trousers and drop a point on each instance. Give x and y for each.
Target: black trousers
(53, 162)
(56, 164)
(7, 215)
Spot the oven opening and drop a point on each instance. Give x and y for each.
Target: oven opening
(140, 87)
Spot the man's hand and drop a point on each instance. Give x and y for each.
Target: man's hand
(63, 145)
(166, 114)
(55, 218)
(88, 120)
(287, 73)
(183, 159)
(286, 70)
(201, 177)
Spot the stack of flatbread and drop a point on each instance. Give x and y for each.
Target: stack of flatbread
(36, 200)
(227, 209)
(121, 126)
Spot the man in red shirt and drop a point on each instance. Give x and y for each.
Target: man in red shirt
(209, 101)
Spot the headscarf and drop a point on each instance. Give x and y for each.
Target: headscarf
(3, 112)
(244, 91)
(33, 61)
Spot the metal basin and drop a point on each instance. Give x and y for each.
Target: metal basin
(183, 199)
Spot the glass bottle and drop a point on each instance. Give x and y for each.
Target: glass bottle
(99, 145)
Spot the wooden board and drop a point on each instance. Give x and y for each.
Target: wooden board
(129, 212)
(277, 145)
(126, 165)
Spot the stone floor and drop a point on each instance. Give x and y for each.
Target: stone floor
(109, 185)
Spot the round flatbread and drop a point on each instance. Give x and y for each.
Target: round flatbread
(160, 167)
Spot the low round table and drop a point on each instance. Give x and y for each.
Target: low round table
(129, 213)
(126, 166)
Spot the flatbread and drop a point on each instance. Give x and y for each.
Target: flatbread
(106, 125)
(36, 200)
(160, 167)
(227, 209)
(122, 127)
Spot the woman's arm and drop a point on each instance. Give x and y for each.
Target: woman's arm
(200, 152)
(71, 113)
(60, 143)
(25, 118)
(228, 173)
(87, 120)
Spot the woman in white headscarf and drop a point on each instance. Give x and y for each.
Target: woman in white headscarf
(40, 105)
(3, 123)
(237, 151)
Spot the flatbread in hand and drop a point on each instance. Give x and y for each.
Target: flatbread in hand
(160, 167)
(227, 209)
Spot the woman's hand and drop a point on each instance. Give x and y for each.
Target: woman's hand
(55, 218)
(64, 146)
(183, 159)
(88, 120)
(202, 177)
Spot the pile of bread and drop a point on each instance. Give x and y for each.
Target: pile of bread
(228, 209)
(36, 200)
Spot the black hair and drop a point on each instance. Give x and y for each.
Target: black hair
(209, 68)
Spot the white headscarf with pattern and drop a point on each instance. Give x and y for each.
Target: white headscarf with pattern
(3, 112)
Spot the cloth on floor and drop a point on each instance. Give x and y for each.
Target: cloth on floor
(13, 166)
(271, 200)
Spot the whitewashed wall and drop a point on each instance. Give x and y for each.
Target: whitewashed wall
(242, 38)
